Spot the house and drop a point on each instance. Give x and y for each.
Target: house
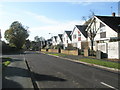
(67, 40)
(59, 39)
(79, 36)
(48, 43)
(54, 40)
(105, 29)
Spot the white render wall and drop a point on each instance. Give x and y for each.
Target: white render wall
(65, 38)
(103, 47)
(54, 41)
(58, 40)
(114, 50)
(75, 41)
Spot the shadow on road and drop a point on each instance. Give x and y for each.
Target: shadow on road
(38, 77)
(10, 84)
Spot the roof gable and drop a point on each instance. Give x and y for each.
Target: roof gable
(112, 22)
(82, 28)
(68, 34)
(60, 36)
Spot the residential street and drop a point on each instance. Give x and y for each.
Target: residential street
(53, 72)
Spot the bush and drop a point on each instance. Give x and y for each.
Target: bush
(9, 49)
(92, 52)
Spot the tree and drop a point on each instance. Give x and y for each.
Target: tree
(27, 44)
(91, 29)
(36, 39)
(16, 34)
(40, 41)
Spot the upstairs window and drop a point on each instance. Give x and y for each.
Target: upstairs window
(103, 35)
(74, 36)
(102, 27)
(79, 35)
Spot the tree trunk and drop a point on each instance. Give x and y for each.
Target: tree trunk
(92, 47)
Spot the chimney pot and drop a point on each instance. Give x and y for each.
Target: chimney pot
(113, 14)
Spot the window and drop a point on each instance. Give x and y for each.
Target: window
(79, 35)
(79, 38)
(102, 27)
(74, 36)
(103, 35)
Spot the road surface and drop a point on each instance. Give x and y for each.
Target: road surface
(53, 72)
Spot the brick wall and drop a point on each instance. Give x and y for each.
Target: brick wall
(70, 52)
(43, 50)
(53, 50)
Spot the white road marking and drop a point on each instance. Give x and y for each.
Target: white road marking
(108, 85)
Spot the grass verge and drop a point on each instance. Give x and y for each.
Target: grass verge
(6, 61)
(57, 54)
(92, 61)
(102, 63)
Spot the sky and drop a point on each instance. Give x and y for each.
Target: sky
(43, 18)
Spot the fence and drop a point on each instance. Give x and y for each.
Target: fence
(111, 50)
(114, 50)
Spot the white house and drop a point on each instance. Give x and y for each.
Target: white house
(66, 37)
(49, 42)
(54, 40)
(79, 35)
(59, 39)
(107, 28)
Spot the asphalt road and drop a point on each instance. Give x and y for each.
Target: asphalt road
(53, 72)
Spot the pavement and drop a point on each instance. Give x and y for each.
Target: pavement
(16, 75)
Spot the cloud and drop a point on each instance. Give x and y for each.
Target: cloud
(53, 29)
(82, 3)
(1, 5)
(42, 18)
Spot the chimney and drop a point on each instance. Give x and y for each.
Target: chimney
(113, 14)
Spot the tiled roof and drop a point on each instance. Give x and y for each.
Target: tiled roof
(60, 35)
(82, 29)
(111, 21)
(68, 33)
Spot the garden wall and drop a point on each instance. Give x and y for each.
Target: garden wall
(70, 52)
(53, 50)
(43, 50)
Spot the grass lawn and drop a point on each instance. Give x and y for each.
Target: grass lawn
(57, 54)
(102, 63)
(6, 61)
